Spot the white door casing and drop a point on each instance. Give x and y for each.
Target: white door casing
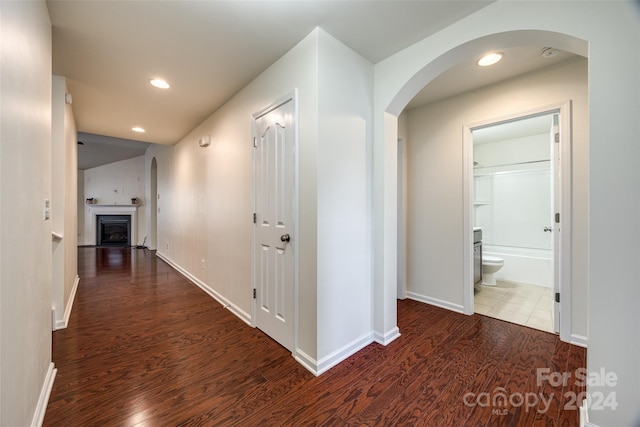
(556, 192)
(274, 259)
(561, 202)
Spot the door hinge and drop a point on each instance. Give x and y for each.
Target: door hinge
(254, 293)
(254, 218)
(558, 218)
(255, 142)
(557, 296)
(556, 137)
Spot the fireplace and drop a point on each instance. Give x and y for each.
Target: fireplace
(128, 211)
(113, 230)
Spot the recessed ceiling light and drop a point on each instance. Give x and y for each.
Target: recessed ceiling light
(159, 83)
(490, 59)
(137, 129)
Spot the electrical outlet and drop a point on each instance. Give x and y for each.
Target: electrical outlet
(167, 246)
(202, 264)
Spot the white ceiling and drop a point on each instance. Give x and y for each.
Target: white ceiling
(209, 50)
(468, 76)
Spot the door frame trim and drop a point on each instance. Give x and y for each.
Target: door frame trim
(564, 234)
(293, 97)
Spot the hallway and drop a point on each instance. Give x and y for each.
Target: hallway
(145, 347)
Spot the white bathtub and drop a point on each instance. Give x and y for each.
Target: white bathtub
(522, 265)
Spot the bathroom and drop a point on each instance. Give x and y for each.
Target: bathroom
(513, 206)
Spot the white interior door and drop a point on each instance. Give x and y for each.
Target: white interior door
(274, 186)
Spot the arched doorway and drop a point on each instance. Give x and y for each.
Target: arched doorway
(385, 159)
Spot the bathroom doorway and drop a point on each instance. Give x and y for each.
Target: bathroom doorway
(516, 198)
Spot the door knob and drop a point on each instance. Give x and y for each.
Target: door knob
(285, 238)
(548, 229)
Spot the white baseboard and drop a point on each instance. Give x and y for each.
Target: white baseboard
(243, 315)
(579, 340)
(387, 337)
(343, 353)
(437, 302)
(312, 365)
(318, 367)
(308, 362)
(64, 322)
(43, 400)
(584, 415)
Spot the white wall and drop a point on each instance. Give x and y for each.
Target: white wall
(344, 200)
(205, 197)
(435, 224)
(115, 184)
(64, 166)
(25, 247)
(614, 206)
(608, 33)
(528, 148)
(516, 198)
(403, 185)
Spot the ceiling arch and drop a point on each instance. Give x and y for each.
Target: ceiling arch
(477, 47)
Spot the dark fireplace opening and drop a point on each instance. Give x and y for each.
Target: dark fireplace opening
(113, 230)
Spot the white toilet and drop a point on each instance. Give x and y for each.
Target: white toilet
(490, 264)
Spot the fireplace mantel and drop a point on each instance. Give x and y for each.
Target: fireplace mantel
(96, 210)
(120, 207)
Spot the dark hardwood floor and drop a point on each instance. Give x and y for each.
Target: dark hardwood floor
(145, 347)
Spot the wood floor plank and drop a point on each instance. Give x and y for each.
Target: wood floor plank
(145, 347)
(576, 387)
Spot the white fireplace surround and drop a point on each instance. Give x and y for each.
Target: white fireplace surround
(131, 210)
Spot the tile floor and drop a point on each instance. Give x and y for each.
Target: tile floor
(519, 303)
